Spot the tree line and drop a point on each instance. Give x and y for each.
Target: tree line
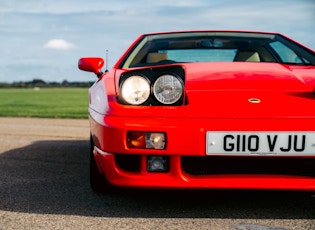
(38, 83)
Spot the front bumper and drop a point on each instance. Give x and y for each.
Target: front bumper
(177, 178)
(187, 138)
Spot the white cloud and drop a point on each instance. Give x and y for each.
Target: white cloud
(59, 44)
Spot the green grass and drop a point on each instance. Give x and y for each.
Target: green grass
(44, 103)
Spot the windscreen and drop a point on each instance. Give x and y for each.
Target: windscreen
(171, 48)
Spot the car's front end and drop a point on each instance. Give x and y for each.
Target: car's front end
(205, 124)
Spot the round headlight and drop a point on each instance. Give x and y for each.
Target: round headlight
(168, 89)
(135, 90)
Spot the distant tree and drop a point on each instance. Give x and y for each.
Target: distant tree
(19, 84)
(65, 83)
(4, 85)
(54, 84)
(38, 82)
(42, 84)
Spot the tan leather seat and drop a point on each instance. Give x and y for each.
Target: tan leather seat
(156, 57)
(247, 56)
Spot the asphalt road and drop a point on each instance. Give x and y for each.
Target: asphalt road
(44, 185)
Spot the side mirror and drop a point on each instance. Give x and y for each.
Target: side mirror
(91, 64)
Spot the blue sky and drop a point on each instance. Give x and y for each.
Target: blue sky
(43, 39)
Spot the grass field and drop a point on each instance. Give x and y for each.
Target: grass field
(45, 103)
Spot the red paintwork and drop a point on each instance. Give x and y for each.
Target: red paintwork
(217, 100)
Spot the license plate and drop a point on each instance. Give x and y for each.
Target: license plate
(261, 143)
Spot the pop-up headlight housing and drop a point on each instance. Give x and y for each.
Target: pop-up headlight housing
(160, 86)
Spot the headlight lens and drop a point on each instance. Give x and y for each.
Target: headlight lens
(168, 89)
(135, 90)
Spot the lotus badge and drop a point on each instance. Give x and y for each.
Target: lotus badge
(254, 100)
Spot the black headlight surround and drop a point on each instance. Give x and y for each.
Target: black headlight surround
(152, 74)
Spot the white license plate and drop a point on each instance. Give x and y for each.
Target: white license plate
(261, 143)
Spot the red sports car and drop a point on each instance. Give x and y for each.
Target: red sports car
(204, 109)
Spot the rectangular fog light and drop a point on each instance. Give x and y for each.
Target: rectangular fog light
(157, 164)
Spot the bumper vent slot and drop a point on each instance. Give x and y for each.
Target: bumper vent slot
(130, 163)
(249, 165)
